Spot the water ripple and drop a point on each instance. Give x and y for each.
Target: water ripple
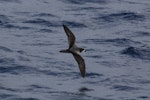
(46, 30)
(137, 53)
(141, 33)
(143, 97)
(8, 89)
(17, 69)
(93, 75)
(38, 87)
(6, 61)
(80, 2)
(5, 49)
(15, 1)
(74, 24)
(43, 15)
(11, 26)
(4, 96)
(86, 9)
(85, 89)
(63, 95)
(40, 21)
(125, 16)
(5, 22)
(4, 19)
(116, 41)
(24, 98)
(124, 88)
(94, 56)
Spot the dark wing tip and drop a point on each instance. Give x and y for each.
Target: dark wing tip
(83, 73)
(64, 26)
(81, 64)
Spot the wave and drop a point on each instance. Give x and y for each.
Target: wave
(142, 33)
(121, 16)
(5, 49)
(80, 2)
(40, 21)
(6, 22)
(117, 41)
(74, 24)
(13, 69)
(124, 88)
(15, 1)
(93, 75)
(3, 19)
(43, 15)
(137, 53)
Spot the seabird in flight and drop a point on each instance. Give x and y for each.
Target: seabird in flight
(75, 50)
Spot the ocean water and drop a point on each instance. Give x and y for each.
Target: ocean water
(114, 33)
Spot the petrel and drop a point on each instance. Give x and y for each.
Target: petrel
(74, 50)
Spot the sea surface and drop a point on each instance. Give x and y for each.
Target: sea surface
(114, 33)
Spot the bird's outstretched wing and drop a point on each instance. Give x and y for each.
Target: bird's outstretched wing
(81, 63)
(70, 35)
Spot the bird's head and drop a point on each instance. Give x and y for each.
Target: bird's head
(81, 49)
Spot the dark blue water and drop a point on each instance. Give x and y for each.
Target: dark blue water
(115, 34)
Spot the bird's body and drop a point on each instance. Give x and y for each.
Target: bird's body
(75, 50)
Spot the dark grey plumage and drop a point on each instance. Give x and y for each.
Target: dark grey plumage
(75, 50)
